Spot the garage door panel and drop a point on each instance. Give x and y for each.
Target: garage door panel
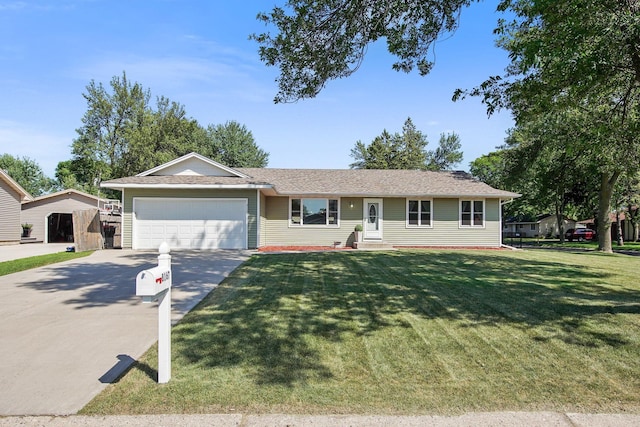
(190, 224)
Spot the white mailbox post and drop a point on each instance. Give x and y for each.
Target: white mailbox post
(155, 284)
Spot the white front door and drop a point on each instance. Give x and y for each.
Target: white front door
(373, 219)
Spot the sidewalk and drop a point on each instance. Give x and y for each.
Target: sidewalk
(555, 419)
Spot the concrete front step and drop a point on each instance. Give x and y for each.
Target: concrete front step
(372, 245)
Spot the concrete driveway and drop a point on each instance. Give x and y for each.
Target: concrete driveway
(69, 329)
(11, 252)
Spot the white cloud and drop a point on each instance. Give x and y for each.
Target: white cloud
(13, 5)
(174, 77)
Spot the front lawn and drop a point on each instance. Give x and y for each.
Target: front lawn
(555, 244)
(411, 332)
(14, 266)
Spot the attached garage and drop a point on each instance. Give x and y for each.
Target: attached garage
(190, 223)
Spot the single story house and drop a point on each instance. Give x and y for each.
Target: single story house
(194, 202)
(52, 214)
(628, 233)
(11, 196)
(545, 225)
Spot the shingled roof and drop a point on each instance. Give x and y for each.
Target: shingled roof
(339, 182)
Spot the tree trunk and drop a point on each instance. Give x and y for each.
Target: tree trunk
(619, 229)
(607, 182)
(560, 219)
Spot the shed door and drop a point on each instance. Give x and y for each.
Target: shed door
(190, 223)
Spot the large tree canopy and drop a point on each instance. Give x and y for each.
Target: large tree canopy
(232, 144)
(407, 151)
(317, 41)
(124, 133)
(574, 85)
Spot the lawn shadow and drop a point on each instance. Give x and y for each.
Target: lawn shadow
(270, 314)
(109, 278)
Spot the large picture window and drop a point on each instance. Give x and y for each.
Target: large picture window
(472, 213)
(314, 212)
(419, 213)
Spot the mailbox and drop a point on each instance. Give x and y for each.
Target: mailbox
(151, 282)
(155, 284)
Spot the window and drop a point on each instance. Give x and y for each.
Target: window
(533, 227)
(418, 213)
(472, 213)
(313, 212)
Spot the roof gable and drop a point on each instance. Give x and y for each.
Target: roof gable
(69, 192)
(22, 193)
(193, 164)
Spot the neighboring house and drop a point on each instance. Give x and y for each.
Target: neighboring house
(541, 226)
(52, 214)
(11, 196)
(627, 227)
(195, 202)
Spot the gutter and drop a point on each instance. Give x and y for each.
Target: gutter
(187, 186)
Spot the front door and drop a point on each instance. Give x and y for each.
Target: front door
(373, 219)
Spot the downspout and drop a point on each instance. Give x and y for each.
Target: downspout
(122, 222)
(258, 219)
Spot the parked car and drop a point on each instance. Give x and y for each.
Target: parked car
(580, 234)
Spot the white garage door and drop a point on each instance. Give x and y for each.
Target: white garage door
(190, 223)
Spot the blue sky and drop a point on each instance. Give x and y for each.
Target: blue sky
(198, 53)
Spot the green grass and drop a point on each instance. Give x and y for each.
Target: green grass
(404, 332)
(555, 243)
(14, 266)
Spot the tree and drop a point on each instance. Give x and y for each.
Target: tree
(163, 134)
(28, 174)
(123, 134)
(411, 148)
(67, 175)
(323, 40)
(382, 153)
(232, 144)
(563, 68)
(447, 155)
(406, 151)
(108, 124)
(491, 169)
(551, 177)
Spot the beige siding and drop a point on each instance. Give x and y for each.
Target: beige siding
(10, 229)
(37, 212)
(446, 230)
(277, 231)
(250, 195)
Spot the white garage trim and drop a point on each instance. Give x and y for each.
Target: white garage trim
(190, 223)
